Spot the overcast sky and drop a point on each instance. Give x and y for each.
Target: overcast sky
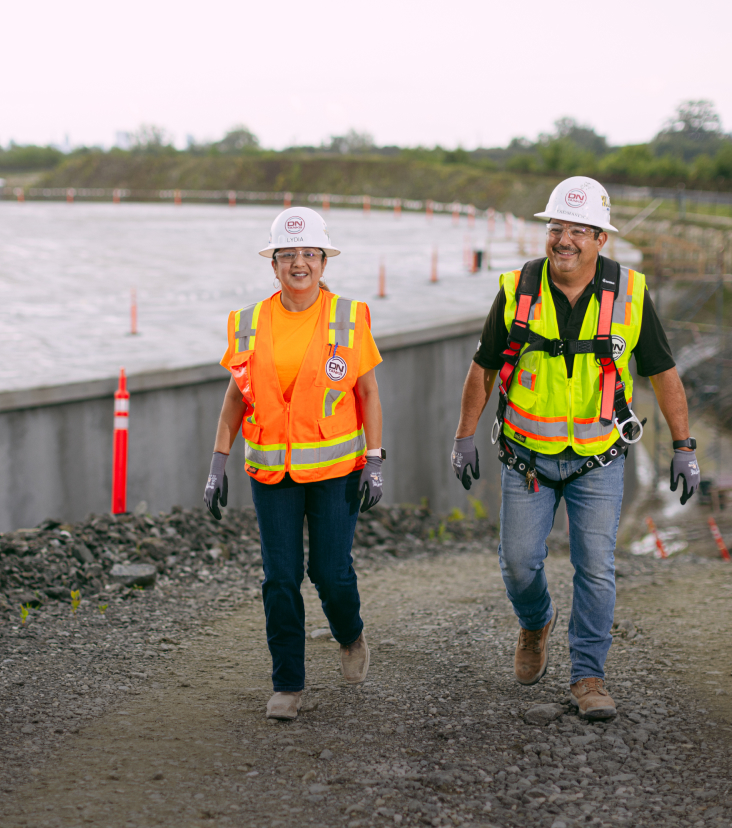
(477, 72)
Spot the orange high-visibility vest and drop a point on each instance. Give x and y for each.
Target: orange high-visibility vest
(319, 434)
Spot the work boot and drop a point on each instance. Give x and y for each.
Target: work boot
(355, 660)
(591, 699)
(532, 653)
(284, 705)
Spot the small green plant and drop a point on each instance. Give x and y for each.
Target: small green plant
(442, 533)
(456, 515)
(75, 600)
(103, 608)
(24, 612)
(138, 586)
(431, 534)
(478, 508)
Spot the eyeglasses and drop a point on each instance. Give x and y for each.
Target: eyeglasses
(576, 231)
(289, 256)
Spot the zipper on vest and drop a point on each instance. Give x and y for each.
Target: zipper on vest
(288, 449)
(570, 414)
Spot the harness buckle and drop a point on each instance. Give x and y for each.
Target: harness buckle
(634, 422)
(556, 347)
(597, 457)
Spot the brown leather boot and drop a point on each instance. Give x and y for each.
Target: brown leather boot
(284, 705)
(532, 653)
(355, 660)
(591, 699)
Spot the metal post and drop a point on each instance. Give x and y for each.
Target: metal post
(720, 351)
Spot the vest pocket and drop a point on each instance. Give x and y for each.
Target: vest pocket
(526, 379)
(337, 369)
(332, 426)
(251, 433)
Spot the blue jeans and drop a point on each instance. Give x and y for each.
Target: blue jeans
(331, 507)
(593, 506)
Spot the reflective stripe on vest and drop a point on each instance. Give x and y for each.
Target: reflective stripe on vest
(624, 299)
(527, 379)
(331, 398)
(245, 327)
(545, 428)
(589, 431)
(342, 321)
(328, 453)
(271, 458)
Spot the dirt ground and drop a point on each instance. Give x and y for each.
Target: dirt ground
(437, 734)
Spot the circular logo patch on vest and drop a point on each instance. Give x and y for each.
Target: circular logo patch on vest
(336, 368)
(618, 347)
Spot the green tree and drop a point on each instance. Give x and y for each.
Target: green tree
(150, 138)
(694, 129)
(631, 161)
(351, 142)
(562, 155)
(29, 158)
(583, 137)
(723, 162)
(238, 139)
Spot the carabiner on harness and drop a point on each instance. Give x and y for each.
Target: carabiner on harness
(495, 431)
(636, 426)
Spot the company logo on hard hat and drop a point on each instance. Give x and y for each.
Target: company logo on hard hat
(294, 224)
(576, 198)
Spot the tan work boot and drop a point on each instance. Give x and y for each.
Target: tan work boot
(355, 660)
(591, 699)
(284, 705)
(532, 653)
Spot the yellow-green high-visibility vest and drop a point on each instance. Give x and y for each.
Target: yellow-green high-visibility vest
(547, 411)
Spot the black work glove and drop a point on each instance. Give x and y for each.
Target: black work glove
(370, 483)
(464, 460)
(217, 486)
(684, 465)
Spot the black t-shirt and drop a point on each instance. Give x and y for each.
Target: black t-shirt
(652, 352)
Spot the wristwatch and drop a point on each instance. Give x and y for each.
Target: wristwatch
(379, 452)
(690, 442)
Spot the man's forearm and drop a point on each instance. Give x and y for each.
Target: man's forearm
(669, 391)
(476, 392)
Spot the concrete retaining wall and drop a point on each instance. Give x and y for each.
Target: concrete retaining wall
(56, 442)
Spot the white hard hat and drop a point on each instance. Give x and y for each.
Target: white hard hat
(299, 227)
(582, 200)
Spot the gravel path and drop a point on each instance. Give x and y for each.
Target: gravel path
(152, 712)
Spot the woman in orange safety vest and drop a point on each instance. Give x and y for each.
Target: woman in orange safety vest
(304, 392)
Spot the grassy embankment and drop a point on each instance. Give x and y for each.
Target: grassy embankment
(276, 172)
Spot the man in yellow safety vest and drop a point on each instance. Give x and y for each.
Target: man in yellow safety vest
(559, 336)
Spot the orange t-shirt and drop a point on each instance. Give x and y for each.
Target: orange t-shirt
(291, 335)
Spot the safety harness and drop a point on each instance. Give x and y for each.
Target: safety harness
(614, 407)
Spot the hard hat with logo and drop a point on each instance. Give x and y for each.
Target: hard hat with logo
(299, 227)
(582, 200)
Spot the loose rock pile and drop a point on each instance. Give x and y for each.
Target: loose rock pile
(95, 555)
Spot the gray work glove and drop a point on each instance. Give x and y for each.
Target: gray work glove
(464, 460)
(217, 486)
(370, 483)
(684, 464)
